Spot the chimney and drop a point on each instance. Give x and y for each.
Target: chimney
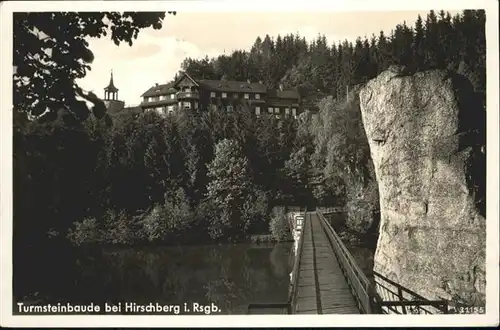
(156, 84)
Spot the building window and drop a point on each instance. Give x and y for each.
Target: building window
(172, 96)
(159, 110)
(277, 110)
(294, 112)
(229, 108)
(212, 94)
(257, 111)
(235, 95)
(196, 105)
(151, 99)
(170, 109)
(246, 96)
(163, 97)
(287, 111)
(224, 94)
(257, 96)
(270, 110)
(187, 105)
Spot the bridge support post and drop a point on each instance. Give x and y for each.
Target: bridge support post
(400, 296)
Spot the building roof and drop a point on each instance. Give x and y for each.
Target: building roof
(136, 109)
(126, 111)
(233, 86)
(159, 90)
(111, 87)
(185, 75)
(224, 86)
(212, 85)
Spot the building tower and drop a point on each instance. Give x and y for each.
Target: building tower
(111, 97)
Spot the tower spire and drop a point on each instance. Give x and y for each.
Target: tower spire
(111, 92)
(111, 80)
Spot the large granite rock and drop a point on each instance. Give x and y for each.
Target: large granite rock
(427, 135)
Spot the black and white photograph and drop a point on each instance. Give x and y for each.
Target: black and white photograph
(244, 163)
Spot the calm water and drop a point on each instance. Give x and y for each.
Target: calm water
(231, 276)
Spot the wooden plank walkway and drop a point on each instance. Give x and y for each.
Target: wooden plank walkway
(322, 287)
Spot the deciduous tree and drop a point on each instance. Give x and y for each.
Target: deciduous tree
(51, 51)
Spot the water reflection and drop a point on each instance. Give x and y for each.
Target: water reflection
(231, 276)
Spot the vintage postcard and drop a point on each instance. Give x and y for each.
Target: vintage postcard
(231, 163)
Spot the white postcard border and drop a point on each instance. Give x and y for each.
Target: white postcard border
(492, 254)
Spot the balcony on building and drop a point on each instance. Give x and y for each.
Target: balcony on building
(187, 95)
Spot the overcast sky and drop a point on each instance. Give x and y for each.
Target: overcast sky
(157, 54)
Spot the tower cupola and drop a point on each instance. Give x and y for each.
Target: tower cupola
(110, 91)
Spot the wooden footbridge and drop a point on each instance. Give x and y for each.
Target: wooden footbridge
(327, 280)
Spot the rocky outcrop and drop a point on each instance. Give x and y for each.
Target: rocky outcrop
(427, 135)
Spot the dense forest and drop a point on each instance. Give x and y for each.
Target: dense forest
(212, 175)
(320, 69)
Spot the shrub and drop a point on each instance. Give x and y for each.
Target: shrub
(220, 225)
(178, 214)
(255, 212)
(262, 239)
(118, 228)
(85, 232)
(279, 226)
(153, 225)
(175, 218)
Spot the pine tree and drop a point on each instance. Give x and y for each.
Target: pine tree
(384, 57)
(431, 40)
(418, 44)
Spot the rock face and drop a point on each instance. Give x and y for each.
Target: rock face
(427, 135)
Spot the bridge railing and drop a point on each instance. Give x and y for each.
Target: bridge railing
(397, 299)
(296, 266)
(362, 290)
(330, 209)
